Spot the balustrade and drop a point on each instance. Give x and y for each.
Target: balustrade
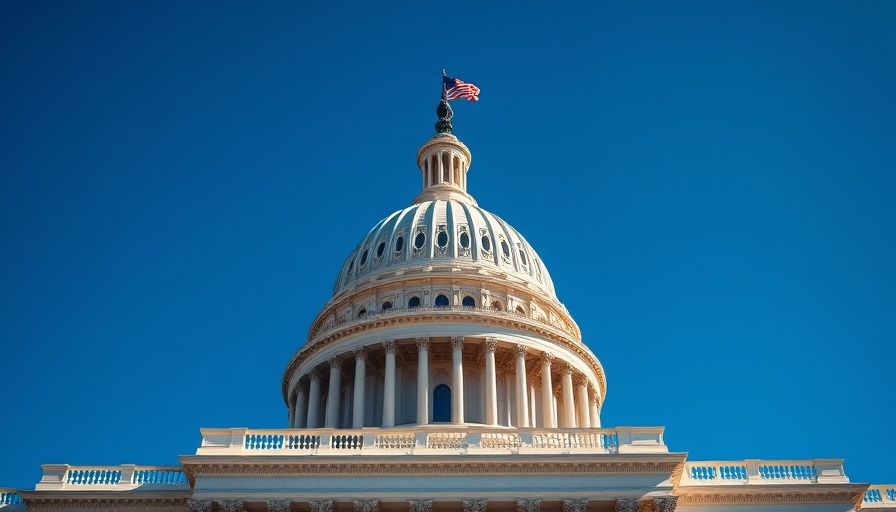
(879, 496)
(124, 477)
(763, 472)
(9, 497)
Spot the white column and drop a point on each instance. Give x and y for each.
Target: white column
(595, 413)
(569, 405)
(389, 385)
(522, 401)
(313, 400)
(533, 406)
(547, 391)
(301, 406)
(360, 379)
(491, 382)
(422, 380)
(331, 419)
(457, 379)
(582, 413)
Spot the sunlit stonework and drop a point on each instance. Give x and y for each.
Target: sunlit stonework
(444, 374)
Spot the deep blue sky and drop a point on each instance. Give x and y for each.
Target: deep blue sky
(711, 185)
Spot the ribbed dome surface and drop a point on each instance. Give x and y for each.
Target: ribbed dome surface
(444, 233)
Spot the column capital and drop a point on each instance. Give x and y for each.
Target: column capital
(569, 369)
(475, 505)
(199, 505)
(491, 344)
(528, 505)
(360, 354)
(232, 505)
(313, 376)
(420, 505)
(546, 358)
(575, 505)
(335, 363)
(390, 346)
(666, 503)
(321, 505)
(626, 505)
(580, 380)
(367, 505)
(279, 505)
(422, 343)
(520, 350)
(457, 342)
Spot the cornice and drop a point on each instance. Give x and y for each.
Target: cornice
(772, 494)
(513, 322)
(41, 500)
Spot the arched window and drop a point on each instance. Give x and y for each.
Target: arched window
(496, 305)
(469, 302)
(442, 301)
(362, 312)
(441, 403)
(414, 302)
(387, 306)
(520, 310)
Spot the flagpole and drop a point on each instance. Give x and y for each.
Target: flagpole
(444, 91)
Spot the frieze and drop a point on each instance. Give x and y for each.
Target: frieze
(528, 505)
(367, 505)
(143, 504)
(420, 505)
(755, 497)
(574, 505)
(460, 468)
(279, 505)
(321, 505)
(475, 505)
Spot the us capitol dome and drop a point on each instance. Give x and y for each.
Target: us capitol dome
(444, 313)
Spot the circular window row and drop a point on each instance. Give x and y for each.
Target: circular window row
(442, 302)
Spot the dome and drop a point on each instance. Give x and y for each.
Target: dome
(452, 235)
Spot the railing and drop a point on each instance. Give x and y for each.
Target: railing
(430, 440)
(124, 477)
(763, 472)
(392, 312)
(883, 496)
(9, 498)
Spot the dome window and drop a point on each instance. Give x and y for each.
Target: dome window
(363, 257)
(387, 306)
(496, 305)
(380, 249)
(522, 254)
(419, 240)
(362, 313)
(486, 243)
(399, 243)
(469, 302)
(414, 302)
(442, 239)
(504, 249)
(442, 301)
(465, 240)
(348, 273)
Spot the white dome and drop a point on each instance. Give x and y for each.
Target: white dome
(452, 234)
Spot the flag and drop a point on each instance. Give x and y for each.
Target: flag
(456, 88)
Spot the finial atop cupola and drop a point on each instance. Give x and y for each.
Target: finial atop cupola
(444, 160)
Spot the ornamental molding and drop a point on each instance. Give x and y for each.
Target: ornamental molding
(765, 496)
(142, 504)
(546, 358)
(546, 332)
(380, 467)
(520, 350)
(528, 505)
(420, 505)
(335, 363)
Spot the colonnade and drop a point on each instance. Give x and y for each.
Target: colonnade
(573, 403)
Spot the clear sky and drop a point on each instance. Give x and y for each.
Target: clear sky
(711, 185)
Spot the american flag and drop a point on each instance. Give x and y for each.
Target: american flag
(456, 88)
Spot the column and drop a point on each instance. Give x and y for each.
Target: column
(389, 385)
(569, 406)
(360, 378)
(301, 406)
(313, 400)
(491, 382)
(533, 405)
(582, 413)
(331, 419)
(457, 380)
(422, 380)
(547, 391)
(522, 402)
(595, 413)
